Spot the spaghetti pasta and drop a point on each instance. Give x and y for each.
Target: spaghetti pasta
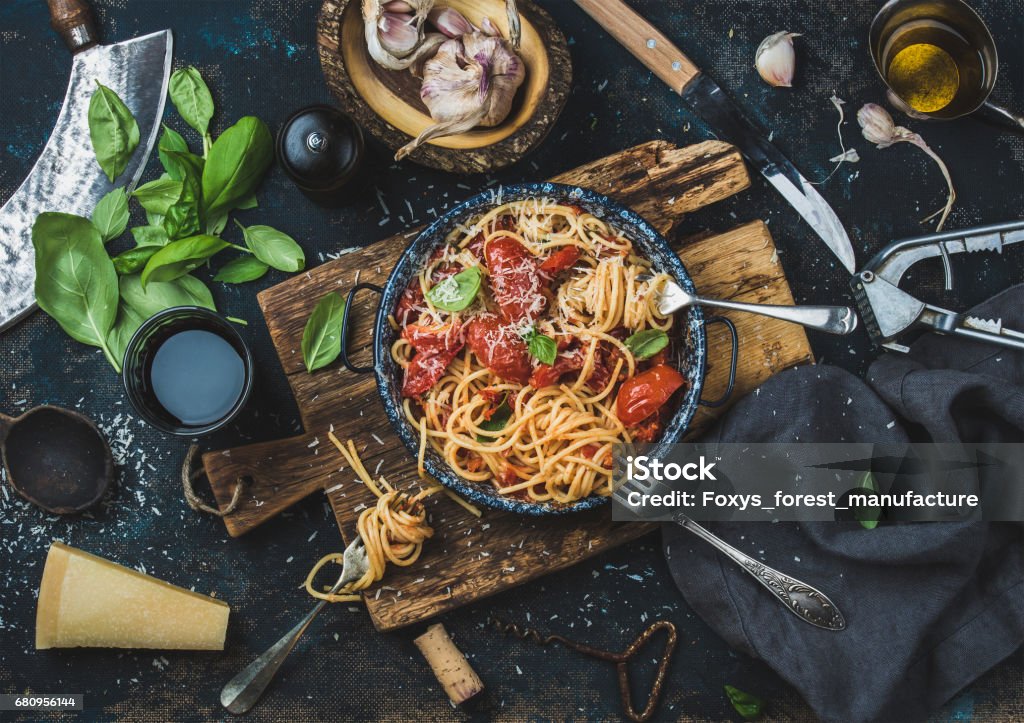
(393, 530)
(537, 422)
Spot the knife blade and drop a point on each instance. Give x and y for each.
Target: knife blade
(723, 116)
(66, 176)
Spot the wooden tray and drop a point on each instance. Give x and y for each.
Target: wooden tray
(387, 102)
(468, 558)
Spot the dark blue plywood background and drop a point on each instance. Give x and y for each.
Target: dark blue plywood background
(260, 58)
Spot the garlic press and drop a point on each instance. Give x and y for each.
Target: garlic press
(889, 312)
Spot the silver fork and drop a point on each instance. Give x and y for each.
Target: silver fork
(830, 319)
(242, 692)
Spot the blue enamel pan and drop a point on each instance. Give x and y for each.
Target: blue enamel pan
(646, 240)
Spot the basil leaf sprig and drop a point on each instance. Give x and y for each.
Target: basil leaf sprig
(747, 705)
(274, 248)
(645, 344)
(110, 217)
(498, 421)
(113, 131)
(321, 338)
(241, 270)
(75, 279)
(458, 291)
(192, 99)
(544, 348)
(181, 257)
(236, 164)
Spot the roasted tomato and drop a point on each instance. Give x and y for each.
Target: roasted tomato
(648, 430)
(643, 395)
(411, 303)
(605, 357)
(547, 374)
(499, 347)
(515, 281)
(424, 371)
(560, 260)
(434, 338)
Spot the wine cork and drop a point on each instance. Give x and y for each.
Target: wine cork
(450, 666)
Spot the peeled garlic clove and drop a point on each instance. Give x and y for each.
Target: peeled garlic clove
(775, 59)
(450, 22)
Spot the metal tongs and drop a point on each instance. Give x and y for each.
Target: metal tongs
(889, 312)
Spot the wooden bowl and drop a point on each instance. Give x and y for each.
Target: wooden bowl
(387, 102)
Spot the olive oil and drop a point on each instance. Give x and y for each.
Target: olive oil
(932, 67)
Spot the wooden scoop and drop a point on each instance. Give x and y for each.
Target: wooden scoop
(56, 459)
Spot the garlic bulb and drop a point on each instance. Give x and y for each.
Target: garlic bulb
(470, 82)
(775, 59)
(394, 30)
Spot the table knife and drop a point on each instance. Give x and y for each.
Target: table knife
(723, 116)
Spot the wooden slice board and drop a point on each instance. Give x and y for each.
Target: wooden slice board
(470, 558)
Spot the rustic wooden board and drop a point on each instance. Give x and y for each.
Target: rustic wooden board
(468, 558)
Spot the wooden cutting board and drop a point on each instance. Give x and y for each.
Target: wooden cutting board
(470, 558)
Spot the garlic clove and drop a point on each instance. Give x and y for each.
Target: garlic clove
(398, 35)
(398, 6)
(877, 125)
(775, 59)
(450, 22)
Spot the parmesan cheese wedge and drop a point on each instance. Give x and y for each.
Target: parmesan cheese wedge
(88, 602)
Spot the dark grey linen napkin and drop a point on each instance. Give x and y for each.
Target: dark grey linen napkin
(929, 606)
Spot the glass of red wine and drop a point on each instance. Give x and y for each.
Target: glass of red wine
(187, 371)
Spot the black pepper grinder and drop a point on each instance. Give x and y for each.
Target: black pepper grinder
(321, 150)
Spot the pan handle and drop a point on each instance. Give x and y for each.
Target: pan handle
(75, 22)
(732, 362)
(345, 326)
(1001, 116)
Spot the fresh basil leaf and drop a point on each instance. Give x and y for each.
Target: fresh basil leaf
(747, 705)
(456, 292)
(171, 140)
(180, 257)
(127, 323)
(215, 225)
(75, 280)
(542, 347)
(248, 202)
(868, 516)
(159, 195)
(240, 270)
(110, 217)
(497, 421)
(236, 164)
(155, 219)
(321, 339)
(150, 236)
(112, 130)
(184, 217)
(192, 99)
(159, 295)
(132, 260)
(645, 344)
(274, 248)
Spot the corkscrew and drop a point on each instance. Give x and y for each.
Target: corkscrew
(889, 312)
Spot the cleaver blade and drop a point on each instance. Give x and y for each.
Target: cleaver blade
(66, 177)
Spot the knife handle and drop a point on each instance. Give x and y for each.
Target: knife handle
(75, 23)
(643, 40)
